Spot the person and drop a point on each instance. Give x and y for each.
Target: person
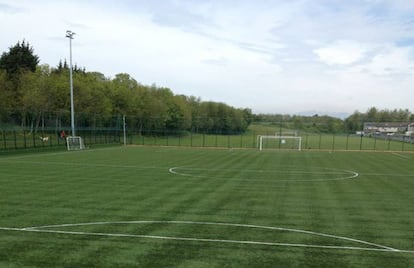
(62, 134)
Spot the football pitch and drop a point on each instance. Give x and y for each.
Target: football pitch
(190, 207)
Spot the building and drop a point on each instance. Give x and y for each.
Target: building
(410, 130)
(388, 128)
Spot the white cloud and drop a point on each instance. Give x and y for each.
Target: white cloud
(240, 24)
(9, 9)
(271, 56)
(342, 52)
(392, 61)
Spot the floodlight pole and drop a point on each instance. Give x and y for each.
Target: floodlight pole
(70, 34)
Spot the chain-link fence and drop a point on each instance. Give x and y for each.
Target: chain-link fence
(23, 138)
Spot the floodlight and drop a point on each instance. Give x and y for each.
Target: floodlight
(70, 34)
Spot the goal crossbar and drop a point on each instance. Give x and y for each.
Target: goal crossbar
(281, 138)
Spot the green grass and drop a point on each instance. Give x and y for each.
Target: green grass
(306, 191)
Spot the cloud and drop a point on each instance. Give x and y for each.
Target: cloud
(392, 61)
(74, 25)
(236, 23)
(218, 61)
(342, 52)
(271, 56)
(9, 9)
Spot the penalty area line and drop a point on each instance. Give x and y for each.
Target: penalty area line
(246, 242)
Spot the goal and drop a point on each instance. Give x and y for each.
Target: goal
(279, 142)
(75, 143)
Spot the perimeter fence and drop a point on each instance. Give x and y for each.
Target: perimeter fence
(22, 138)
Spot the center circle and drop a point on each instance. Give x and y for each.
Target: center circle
(281, 174)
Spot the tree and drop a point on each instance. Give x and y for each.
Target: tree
(6, 99)
(122, 89)
(372, 115)
(354, 122)
(20, 57)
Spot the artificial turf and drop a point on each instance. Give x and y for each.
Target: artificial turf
(188, 207)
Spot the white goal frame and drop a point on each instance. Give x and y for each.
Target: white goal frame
(281, 138)
(75, 143)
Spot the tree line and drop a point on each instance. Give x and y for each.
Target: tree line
(356, 121)
(34, 95)
(315, 123)
(328, 124)
(37, 95)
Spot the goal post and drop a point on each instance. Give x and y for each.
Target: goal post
(279, 142)
(75, 143)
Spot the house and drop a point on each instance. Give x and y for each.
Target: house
(387, 128)
(410, 130)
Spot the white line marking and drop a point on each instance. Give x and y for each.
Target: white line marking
(207, 240)
(219, 224)
(387, 174)
(199, 239)
(11, 229)
(352, 174)
(43, 228)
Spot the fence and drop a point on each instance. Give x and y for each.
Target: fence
(249, 140)
(14, 139)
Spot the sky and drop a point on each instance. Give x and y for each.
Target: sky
(297, 57)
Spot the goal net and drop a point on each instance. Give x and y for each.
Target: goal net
(280, 142)
(286, 133)
(75, 143)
